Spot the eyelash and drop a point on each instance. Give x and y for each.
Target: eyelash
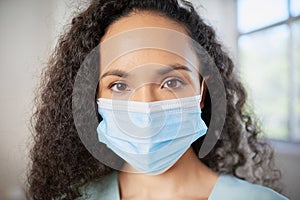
(174, 79)
(178, 80)
(115, 84)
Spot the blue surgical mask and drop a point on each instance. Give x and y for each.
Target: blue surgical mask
(150, 136)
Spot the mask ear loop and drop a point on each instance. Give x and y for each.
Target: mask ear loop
(202, 89)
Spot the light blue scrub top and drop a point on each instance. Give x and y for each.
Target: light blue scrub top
(226, 188)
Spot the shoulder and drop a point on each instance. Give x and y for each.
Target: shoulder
(105, 188)
(229, 187)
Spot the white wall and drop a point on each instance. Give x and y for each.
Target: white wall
(28, 30)
(23, 39)
(221, 14)
(287, 157)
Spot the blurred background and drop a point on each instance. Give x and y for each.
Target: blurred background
(262, 37)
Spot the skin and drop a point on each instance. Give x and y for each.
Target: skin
(135, 76)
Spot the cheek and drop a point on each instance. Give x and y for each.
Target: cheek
(102, 92)
(193, 86)
(195, 82)
(187, 92)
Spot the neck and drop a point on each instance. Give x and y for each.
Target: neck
(188, 168)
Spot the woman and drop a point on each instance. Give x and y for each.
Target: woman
(159, 163)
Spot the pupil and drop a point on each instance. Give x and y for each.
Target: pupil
(171, 83)
(121, 86)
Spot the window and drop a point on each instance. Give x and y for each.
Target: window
(269, 57)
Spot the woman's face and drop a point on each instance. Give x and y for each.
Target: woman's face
(147, 74)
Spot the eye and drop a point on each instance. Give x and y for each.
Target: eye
(119, 87)
(173, 83)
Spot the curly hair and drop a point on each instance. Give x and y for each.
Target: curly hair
(60, 162)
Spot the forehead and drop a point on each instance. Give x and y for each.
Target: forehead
(146, 38)
(142, 19)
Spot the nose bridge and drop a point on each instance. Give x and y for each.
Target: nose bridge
(145, 93)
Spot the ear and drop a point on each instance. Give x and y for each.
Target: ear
(204, 92)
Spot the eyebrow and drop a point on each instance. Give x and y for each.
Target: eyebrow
(173, 67)
(115, 72)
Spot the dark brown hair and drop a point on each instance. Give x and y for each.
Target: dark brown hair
(61, 163)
